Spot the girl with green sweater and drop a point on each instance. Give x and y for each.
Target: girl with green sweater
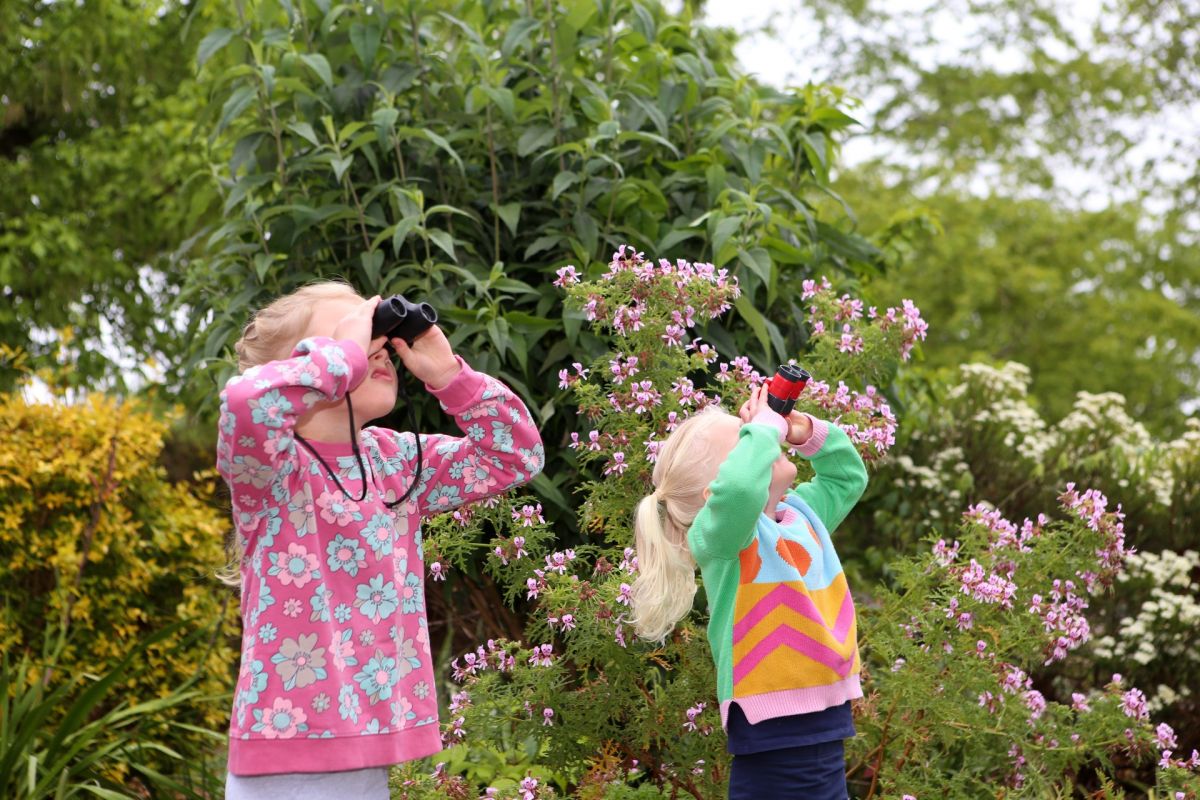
(781, 619)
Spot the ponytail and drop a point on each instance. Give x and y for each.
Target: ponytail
(666, 581)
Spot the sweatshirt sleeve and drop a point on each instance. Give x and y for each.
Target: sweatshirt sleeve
(260, 407)
(726, 523)
(840, 477)
(500, 447)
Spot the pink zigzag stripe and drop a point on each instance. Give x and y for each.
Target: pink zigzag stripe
(784, 595)
(787, 636)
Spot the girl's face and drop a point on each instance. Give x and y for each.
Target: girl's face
(375, 396)
(723, 437)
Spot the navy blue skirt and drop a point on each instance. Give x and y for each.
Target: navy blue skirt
(811, 772)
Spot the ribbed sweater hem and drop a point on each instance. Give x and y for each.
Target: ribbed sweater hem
(335, 754)
(786, 702)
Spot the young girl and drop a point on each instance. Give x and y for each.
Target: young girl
(336, 676)
(781, 621)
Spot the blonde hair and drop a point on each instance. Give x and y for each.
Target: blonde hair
(666, 583)
(271, 334)
(277, 327)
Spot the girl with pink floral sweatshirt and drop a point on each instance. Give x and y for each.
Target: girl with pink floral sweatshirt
(336, 679)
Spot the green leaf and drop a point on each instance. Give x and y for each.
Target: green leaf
(365, 40)
(238, 102)
(675, 237)
(724, 228)
(518, 34)
(305, 131)
(403, 228)
(341, 164)
(588, 232)
(543, 243)
(425, 133)
(444, 241)
(503, 98)
(757, 322)
(385, 124)
(318, 64)
(372, 262)
(534, 138)
(562, 181)
(511, 214)
(262, 265)
(210, 45)
(759, 261)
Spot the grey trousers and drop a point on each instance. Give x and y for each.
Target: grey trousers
(359, 784)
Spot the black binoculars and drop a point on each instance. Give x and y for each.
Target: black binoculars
(785, 387)
(396, 317)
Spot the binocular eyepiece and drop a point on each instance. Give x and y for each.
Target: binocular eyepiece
(396, 317)
(785, 387)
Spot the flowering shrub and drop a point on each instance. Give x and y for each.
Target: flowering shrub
(979, 620)
(613, 716)
(582, 708)
(981, 438)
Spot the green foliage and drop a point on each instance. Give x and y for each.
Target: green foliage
(1099, 301)
(98, 149)
(456, 149)
(66, 733)
(94, 538)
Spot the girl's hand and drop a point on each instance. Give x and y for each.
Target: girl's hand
(800, 428)
(430, 359)
(356, 326)
(755, 403)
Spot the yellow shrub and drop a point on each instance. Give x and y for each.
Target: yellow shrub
(91, 529)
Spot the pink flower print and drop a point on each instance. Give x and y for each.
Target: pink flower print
(298, 566)
(341, 650)
(292, 608)
(282, 720)
(423, 639)
(477, 477)
(337, 509)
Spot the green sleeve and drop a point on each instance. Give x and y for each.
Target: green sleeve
(725, 525)
(840, 478)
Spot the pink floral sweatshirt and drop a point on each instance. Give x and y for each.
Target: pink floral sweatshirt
(336, 672)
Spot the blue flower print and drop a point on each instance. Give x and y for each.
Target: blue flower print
(256, 684)
(335, 359)
(346, 555)
(378, 534)
(342, 613)
(349, 706)
(448, 447)
(373, 728)
(267, 633)
(320, 604)
(377, 677)
(534, 458)
(413, 598)
(376, 600)
(348, 467)
(456, 469)
(265, 601)
(444, 497)
(476, 432)
(320, 703)
(228, 423)
(502, 436)
(515, 415)
(281, 721)
(270, 409)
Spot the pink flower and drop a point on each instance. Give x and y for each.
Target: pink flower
(547, 716)
(1133, 703)
(477, 477)
(436, 571)
(567, 276)
(283, 720)
(337, 509)
(298, 566)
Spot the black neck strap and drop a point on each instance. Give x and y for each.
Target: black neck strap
(362, 471)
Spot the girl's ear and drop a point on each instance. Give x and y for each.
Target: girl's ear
(707, 493)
